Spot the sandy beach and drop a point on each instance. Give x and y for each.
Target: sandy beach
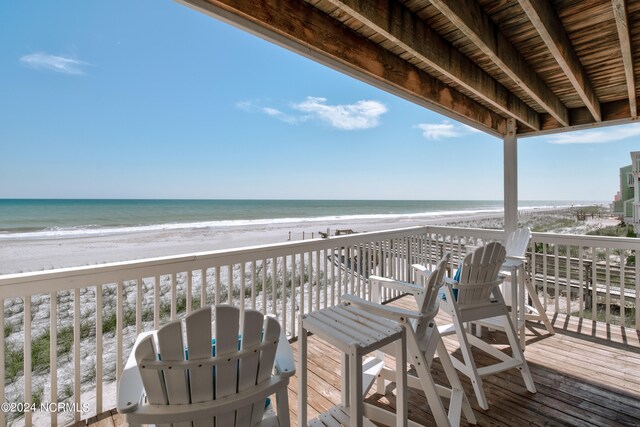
(23, 255)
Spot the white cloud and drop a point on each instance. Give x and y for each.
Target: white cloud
(59, 64)
(360, 115)
(446, 129)
(599, 136)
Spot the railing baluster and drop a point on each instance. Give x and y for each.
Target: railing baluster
(594, 284)
(302, 282)
(76, 351)
(99, 346)
(218, 286)
(174, 296)
(545, 272)
(3, 420)
(623, 314)
(27, 355)
(317, 280)
(285, 275)
(264, 286)
(274, 285)
(581, 280)
(607, 285)
(556, 267)
(333, 276)
(189, 290)
(325, 278)
(352, 256)
(293, 293)
(119, 329)
(254, 285)
(230, 284)
(637, 271)
(292, 298)
(156, 302)
(568, 279)
(203, 287)
(139, 283)
(53, 357)
(310, 288)
(243, 277)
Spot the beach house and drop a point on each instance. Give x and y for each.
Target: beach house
(626, 204)
(510, 68)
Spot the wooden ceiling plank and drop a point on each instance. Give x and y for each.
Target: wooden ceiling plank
(304, 29)
(620, 12)
(469, 17)
(551, 30)
(405, 29)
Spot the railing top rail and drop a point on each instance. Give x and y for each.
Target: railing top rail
(587, 240)
(467, 232)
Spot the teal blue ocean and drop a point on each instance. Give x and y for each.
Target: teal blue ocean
(36, 218)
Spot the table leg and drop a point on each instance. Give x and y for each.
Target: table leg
(401, 380)
(344, 391)
(302, 374)
(355, 390)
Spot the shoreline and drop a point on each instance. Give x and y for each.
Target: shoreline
(24, 255)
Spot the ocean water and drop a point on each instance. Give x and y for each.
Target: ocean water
(47, 218)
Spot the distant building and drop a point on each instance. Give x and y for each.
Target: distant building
(626, 203)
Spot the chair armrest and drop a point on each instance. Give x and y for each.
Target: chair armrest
(394, 313)
(396, 285)
(130, 388)
(284, 364)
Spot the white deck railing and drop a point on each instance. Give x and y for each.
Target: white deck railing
(84, 320)
(602, 274)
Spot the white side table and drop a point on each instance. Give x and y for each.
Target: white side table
(355, 333)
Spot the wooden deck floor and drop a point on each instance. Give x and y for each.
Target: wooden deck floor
(586, 374)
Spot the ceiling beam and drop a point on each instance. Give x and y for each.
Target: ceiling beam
(621, 16)
(551, 30)
(469, 17)
(613, 113)
(405, 29)
(304, 29)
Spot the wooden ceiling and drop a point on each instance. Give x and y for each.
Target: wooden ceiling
(551, 65)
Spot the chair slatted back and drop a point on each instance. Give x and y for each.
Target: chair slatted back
(241, 358)
(517, 241)
(429, 302)
(480, 269)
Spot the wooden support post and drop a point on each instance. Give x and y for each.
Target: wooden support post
(510, 178)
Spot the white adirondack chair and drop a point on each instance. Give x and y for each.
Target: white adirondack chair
(226, 381)
(423, 342)
(514, 266)
(477, 296)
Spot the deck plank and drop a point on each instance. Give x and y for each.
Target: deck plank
(587, 374)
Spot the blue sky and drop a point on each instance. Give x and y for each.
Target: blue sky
(143, 99)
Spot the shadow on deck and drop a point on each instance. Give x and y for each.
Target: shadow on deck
(588, 373)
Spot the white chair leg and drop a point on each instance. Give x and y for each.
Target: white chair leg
(426, 380)
(519, 355)
(470, 369)
(282, 407)
(452, 377)
(541, 312)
